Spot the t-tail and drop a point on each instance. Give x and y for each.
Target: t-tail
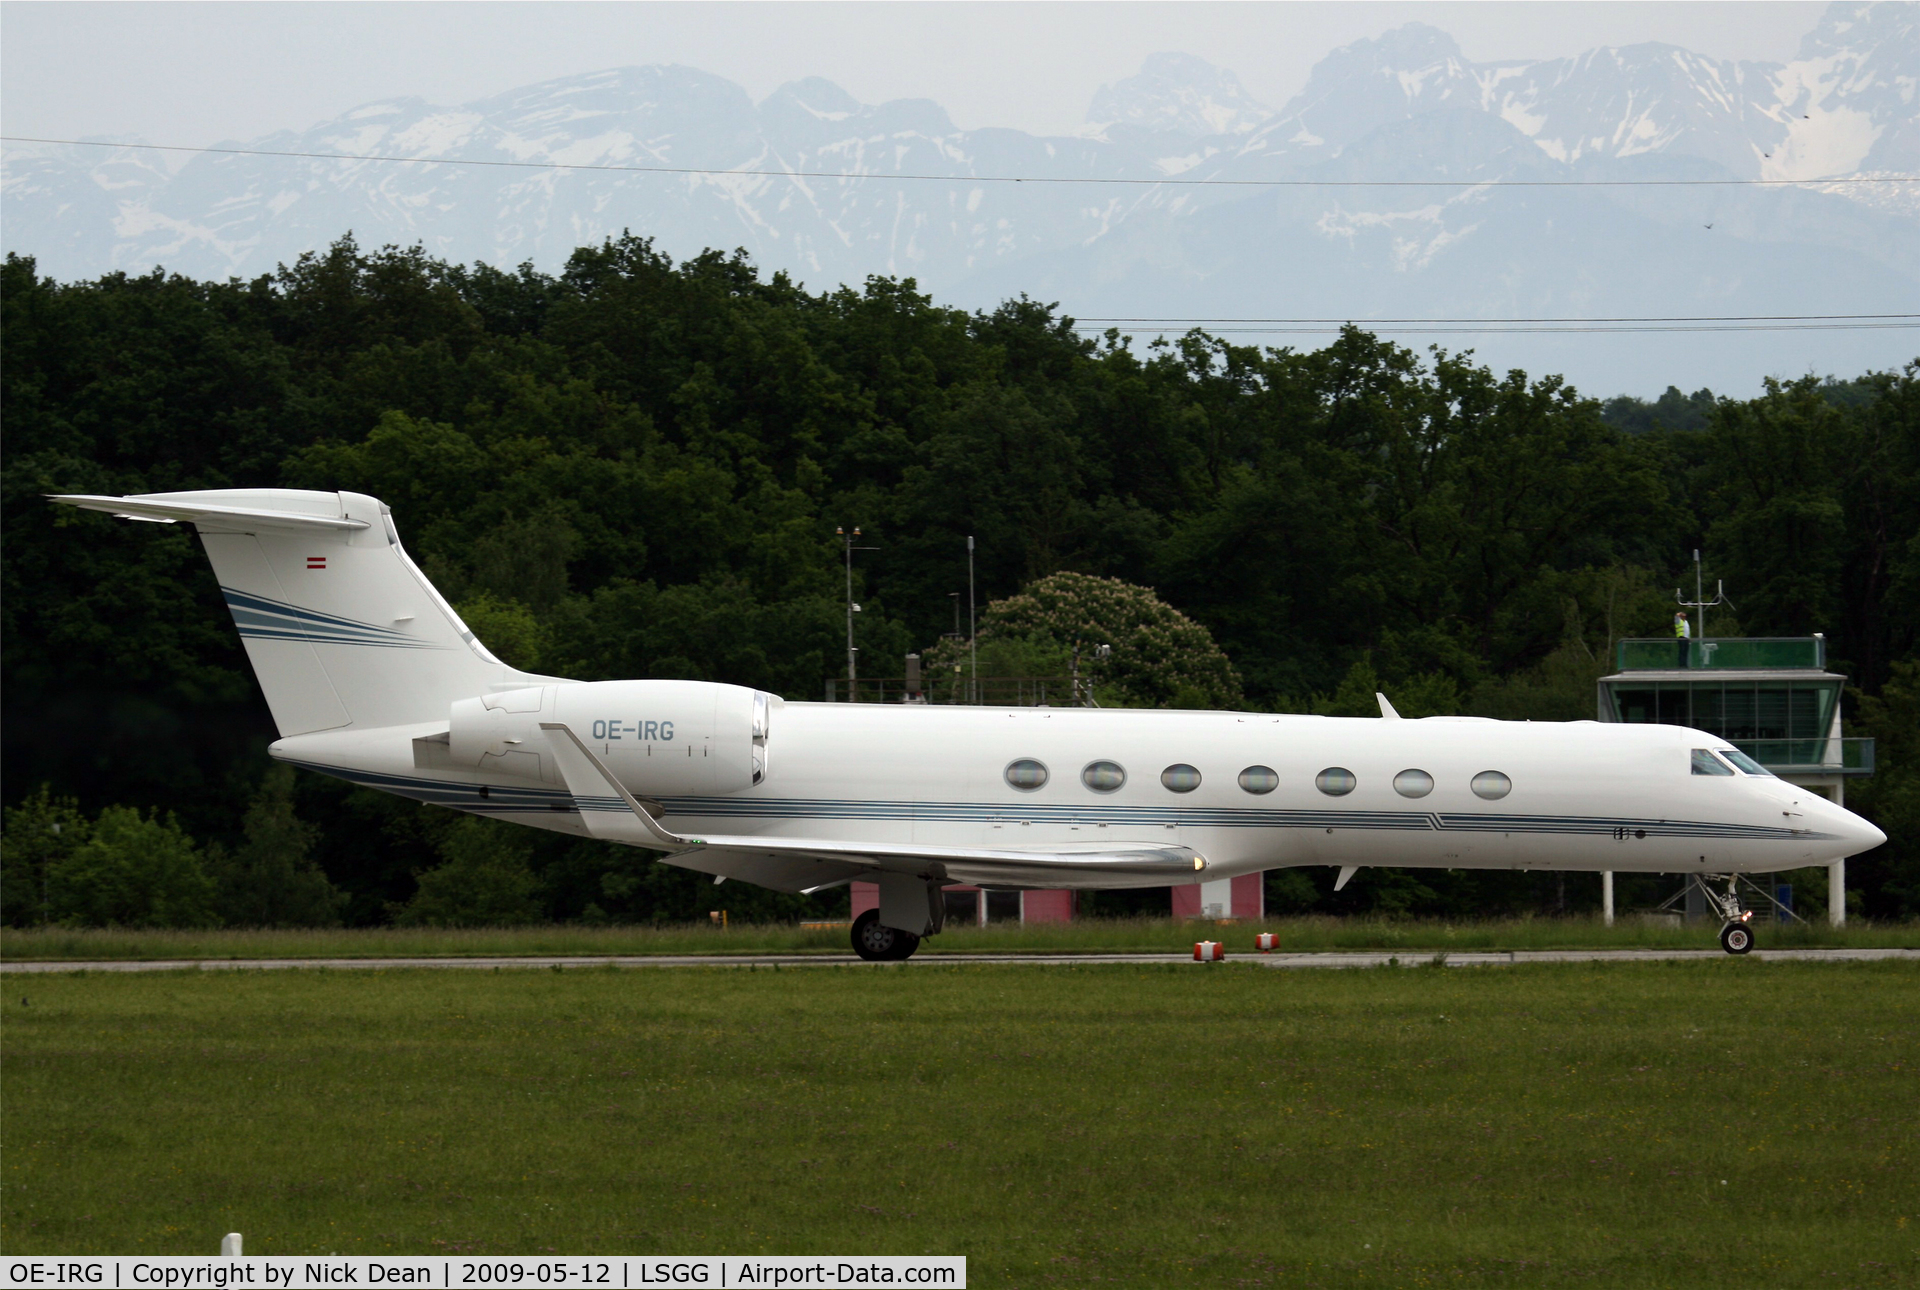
(342, 628)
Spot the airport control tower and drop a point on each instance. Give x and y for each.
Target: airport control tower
(1770, 697)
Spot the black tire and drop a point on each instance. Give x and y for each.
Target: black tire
(1736, 938)
(878, 943)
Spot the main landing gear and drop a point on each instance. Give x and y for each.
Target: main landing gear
(875, 942)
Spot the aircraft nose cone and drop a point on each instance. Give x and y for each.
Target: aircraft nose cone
(1855, 833)
(1865, 832)
(1851, 834)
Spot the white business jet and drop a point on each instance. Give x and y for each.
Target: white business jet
(372, 677)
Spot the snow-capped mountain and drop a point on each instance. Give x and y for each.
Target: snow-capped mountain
(1846, 104)
(1178, 94)
(781, 178)
(832, 190)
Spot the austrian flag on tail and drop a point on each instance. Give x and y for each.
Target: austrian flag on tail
(316, 562)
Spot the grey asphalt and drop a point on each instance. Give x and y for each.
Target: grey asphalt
(1329, 959)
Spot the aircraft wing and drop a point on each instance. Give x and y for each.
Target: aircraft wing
(610, 812)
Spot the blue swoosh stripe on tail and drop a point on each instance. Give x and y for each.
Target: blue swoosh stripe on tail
(260, 618)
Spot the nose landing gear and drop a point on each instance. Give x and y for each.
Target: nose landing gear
(1736, 927)
(1737, 923)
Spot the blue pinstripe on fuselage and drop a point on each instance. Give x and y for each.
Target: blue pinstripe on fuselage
(515, 798)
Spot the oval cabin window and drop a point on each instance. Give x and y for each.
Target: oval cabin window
(1103, 776)
(1026, 774)
(1492, 785)
(1335, 781)
(1259, 779)
(1413, 783)
(1180, 779)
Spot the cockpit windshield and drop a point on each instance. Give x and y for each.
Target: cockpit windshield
(1705, 763)
(1745, 762)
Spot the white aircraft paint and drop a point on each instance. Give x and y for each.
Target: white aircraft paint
(371, 676)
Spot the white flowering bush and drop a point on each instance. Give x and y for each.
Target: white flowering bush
(1160, 658)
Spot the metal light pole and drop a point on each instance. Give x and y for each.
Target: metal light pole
(973, 647)
(853, 671)
(1698, 594)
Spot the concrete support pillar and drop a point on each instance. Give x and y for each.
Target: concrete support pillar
(1606, 897)
(1837, 871)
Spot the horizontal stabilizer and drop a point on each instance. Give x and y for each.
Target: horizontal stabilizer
(596, 790)
(220, 519)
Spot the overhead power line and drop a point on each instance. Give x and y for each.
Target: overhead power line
(1657, 318)
(770, 173)
(1565, 327)
(1527, 329)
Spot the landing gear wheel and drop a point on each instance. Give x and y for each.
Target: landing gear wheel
(878, 943)
(1736, 938)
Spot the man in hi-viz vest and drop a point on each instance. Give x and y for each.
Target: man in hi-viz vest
(1682, 629)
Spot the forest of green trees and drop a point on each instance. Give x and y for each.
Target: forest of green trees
(636, 469)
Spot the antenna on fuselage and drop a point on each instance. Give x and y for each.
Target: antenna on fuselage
(1386, 709)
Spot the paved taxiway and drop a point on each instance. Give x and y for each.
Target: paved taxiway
(1327, 959)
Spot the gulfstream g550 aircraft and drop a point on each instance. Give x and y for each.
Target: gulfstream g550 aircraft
(372, 677)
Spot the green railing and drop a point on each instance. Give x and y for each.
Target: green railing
(1849, 756)
(1722, 653)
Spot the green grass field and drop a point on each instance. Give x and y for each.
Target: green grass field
(1665, 1124)
(1087, 936)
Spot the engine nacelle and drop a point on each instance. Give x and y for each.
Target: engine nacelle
(659, 738)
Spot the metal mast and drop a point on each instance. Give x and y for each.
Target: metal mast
(973, 647)
(853, 671)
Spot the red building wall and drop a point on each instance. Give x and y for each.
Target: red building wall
(1047, 906)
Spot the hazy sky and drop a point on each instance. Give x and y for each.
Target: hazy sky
(196, 73)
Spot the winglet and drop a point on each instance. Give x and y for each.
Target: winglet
(1346, 871)
(1386, 709)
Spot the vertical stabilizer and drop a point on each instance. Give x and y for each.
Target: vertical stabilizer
(341, 627)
